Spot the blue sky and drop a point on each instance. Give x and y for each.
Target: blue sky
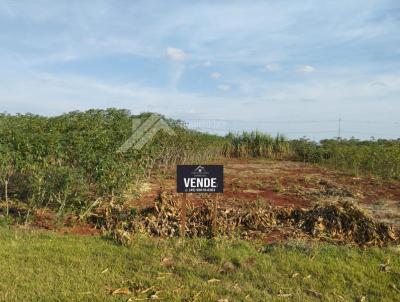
(288, 66)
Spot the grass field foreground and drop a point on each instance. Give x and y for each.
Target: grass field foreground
(44, 266)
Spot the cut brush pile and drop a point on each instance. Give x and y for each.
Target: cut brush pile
(343, 222)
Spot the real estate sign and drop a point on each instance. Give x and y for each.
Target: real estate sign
(200, 178)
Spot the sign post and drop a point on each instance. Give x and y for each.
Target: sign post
(183, 215)
(199, 179)
(214, 230)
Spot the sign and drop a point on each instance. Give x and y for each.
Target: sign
(200, 178)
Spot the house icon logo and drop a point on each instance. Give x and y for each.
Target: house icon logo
(200, 169)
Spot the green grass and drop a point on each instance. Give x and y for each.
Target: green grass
(42, 266)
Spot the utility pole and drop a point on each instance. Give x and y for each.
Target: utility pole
(339, 132)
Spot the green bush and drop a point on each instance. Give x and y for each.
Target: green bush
(67, 161)
(381, 157)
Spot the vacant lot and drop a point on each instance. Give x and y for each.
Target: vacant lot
(291, 184)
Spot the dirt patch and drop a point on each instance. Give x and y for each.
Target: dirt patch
(83, 230)
(48, 220)
(43, 219)
(385, 210)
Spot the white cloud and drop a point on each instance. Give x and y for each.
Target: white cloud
(215, 75)
(224, 87)
(207, 64)
(272, 67)
(306, 69)
(176, 54)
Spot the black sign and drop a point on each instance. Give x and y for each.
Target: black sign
(200, 178)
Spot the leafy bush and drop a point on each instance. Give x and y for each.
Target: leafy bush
(70, 160)
(380, 157)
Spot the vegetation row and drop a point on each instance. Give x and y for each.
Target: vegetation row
(69, 161)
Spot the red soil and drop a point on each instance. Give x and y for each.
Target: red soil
(82, 229)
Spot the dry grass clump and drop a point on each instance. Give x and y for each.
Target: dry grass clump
(345, 222)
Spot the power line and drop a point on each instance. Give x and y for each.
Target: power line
(291, 132)
(290, 121)
(303, 133)
(344, 128)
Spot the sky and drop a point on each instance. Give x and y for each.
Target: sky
(294, 67)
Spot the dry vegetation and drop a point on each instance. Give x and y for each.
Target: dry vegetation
(340, 223)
